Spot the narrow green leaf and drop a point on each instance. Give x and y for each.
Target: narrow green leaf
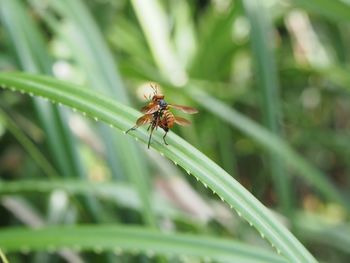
(179, 151)
(314, 229)
(119, 193)
(271, 142)
(336, 10)
(33, 57)
(91, 52)
(261, 34)
(132, 239)
(212, 60)
(154, 24)
(3, 257)
(28, 145)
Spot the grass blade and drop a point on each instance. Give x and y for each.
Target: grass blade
(271, 142)
(119, 193)
(29, 44)
(336, 10)
(3, 257)
(33, 55)
(267, 81)
(28, 145)
(318, 231)
(179, 151)
(131, 238)
(162, 49)
(93, 55)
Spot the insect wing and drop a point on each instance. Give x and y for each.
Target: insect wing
(182, 121)
(147, 118)
(150, 108)
(185, 109)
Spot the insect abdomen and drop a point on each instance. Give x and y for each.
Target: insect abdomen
(169, 119)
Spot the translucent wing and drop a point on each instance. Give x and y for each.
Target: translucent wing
(182, 121)
(147, 118)
(150, 108)
(185, 109)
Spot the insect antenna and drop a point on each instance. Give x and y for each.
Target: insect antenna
(155, 88)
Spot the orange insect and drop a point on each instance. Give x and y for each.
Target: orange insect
(157, 114)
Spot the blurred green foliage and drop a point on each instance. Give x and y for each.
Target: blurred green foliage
(270, 79)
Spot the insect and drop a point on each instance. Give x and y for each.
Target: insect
(157, 114)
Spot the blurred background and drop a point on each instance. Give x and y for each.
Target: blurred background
(270, 80)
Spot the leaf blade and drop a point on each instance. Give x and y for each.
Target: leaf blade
(131, 238)
(179, 151)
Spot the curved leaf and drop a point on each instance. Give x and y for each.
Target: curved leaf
(91, 52)
(271, 142)
(132, 239)
(182, 153)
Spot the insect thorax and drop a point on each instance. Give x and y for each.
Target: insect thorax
(162, 103)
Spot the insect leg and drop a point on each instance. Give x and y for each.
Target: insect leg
(145, 119)
(158, 120)
(132, 129)
(166, 132)
(150, 136)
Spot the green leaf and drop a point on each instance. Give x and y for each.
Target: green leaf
(271, 142)
(33, 57)
(3, 257)
(132, 239)
(119, 193)
(317, 230)
(333, 9)
(274, 144)
(28, 145)
(261, 34)
(101, 72)
(179, 151)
